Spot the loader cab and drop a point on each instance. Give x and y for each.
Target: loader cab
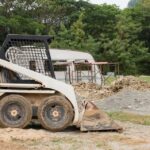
(8, 76)
(29, 51)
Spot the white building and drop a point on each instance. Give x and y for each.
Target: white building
(70, 58)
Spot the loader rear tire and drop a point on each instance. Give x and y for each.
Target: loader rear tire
(15, 111)
(55, 113)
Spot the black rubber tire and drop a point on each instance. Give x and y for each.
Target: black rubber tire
(64, 108)
(22, 106)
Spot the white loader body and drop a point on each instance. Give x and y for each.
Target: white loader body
(46, 82)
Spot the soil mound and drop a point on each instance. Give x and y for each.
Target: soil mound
(129, 82)
(91, 91)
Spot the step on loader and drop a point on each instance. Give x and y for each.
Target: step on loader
(29, 90)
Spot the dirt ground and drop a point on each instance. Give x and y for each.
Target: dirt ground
(127, 94)
(134, 137)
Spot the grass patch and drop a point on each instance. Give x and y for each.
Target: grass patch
(103, 144)
(57, 140)
(109, 80)
(134, 118)
(145, 78)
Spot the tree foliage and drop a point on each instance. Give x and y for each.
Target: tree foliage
(108, 33)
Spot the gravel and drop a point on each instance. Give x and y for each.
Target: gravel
(127, 100)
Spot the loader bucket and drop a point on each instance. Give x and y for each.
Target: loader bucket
(94, 119)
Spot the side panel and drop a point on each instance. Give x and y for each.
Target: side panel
(46, 82)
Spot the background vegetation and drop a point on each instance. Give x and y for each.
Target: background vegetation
(107, 32)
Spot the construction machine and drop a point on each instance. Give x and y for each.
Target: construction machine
(29, 90)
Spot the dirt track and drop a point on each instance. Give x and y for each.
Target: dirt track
(134, 137)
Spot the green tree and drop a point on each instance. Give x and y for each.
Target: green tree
(108, 33)
(142, 10)
(126, 48)
(77, 30)
(101, 19)
(63, 38)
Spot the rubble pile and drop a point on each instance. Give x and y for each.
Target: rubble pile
(91, 91)
(129, 82)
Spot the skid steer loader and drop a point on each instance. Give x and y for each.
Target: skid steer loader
(28, 89)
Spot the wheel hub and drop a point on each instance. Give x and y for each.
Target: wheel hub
(55, 113)
(14, 113)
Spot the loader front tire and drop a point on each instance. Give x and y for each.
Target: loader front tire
(15, 111)
(55, 113)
